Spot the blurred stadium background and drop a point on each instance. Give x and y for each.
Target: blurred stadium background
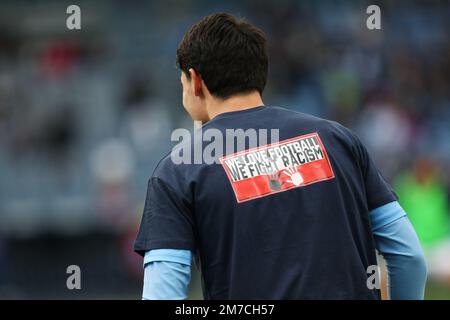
(85, 116)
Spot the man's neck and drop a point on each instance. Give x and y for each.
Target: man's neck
(234, 103)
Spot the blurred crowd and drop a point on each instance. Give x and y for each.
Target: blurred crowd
(86, 114)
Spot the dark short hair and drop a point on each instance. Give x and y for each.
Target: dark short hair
(229, 54)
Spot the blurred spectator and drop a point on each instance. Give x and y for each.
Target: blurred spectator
(145, 119)
(112, 165)
(424, 197)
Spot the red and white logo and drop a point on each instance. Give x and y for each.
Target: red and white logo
(277, 167)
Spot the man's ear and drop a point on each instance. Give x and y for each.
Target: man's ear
(196, 81)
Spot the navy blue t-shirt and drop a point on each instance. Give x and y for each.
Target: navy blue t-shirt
(286, 220)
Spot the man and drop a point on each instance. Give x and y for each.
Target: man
(296, 219)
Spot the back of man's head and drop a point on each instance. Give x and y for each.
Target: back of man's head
(229, 54)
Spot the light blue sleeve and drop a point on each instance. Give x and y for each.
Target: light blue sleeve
(397, 241)
(167, 274)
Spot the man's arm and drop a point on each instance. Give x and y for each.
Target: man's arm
(167, 273)
(167, 226)
(397, 241)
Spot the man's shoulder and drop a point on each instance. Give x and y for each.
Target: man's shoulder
(173, 168)
(316, 121)
(164, 167)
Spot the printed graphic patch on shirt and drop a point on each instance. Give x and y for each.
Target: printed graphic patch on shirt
(277, 167)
